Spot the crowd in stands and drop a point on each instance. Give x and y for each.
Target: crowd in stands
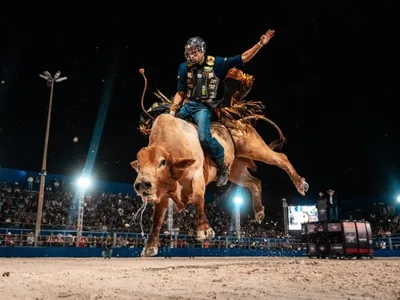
(109, 213)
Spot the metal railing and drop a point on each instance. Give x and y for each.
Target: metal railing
(66, 238)
(63, 238)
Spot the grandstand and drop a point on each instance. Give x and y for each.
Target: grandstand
(109, 206)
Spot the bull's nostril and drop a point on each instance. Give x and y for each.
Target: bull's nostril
(137, 186)
(142, 185)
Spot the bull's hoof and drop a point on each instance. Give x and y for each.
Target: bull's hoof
(151, 251)
(210, 234)
(303, 187)
(201, 235)
(260, 215)
(207, 234)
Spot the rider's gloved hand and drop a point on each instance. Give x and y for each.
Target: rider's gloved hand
(173, 108)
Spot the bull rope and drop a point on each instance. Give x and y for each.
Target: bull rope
(144, 205)
(141, 71)
(135, 215)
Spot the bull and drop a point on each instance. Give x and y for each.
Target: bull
(173, 165)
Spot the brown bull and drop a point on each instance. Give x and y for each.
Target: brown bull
(173, 165)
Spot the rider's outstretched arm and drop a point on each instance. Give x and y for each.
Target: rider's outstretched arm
(249, 54)
(224, 64)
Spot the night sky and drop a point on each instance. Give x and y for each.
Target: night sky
(328, 78)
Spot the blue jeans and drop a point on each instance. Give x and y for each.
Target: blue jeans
(201, 115)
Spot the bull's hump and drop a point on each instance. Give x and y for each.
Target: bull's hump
(169, 126)
(178, 137)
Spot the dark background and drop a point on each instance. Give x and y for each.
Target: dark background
(328, 78)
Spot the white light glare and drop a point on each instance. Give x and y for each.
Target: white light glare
(238, 200)
(398, 198)
(84, 182)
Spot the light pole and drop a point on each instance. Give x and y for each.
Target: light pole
(238, 201)
(170, 219)
(50, 83)
(173, 231)
(83, 184)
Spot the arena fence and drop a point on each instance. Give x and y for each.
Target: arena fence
(61, 243)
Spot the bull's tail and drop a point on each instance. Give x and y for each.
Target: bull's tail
(276, 144)
(141, 71)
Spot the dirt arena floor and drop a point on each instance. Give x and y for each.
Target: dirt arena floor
(199, 278)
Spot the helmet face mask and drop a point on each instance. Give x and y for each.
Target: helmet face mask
(195, 49)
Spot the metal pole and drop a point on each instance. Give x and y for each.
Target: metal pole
(44, 166)
(233, 219)
(285, 216)
(237, 221)
(170, 216)
(81, 210)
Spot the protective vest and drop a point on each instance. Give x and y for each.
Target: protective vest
(202, 84)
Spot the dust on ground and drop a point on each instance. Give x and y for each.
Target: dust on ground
(199, 278)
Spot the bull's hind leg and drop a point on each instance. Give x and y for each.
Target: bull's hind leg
(253, 147)
(241, 176)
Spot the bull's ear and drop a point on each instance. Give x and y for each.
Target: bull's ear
(179, 165)
(135, 165)
(182, 163)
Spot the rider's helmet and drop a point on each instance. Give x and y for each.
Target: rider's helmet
(195, 48)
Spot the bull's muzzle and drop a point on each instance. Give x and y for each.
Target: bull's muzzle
(142, 186)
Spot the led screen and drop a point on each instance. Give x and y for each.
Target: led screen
(301, 214)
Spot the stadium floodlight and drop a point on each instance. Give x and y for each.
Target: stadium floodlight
(84, 182)
(238, 200)
(44, 77)
(61, 79)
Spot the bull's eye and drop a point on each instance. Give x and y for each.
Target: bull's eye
(163, 162)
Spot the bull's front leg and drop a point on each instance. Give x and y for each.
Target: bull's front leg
(204, 230)
(159, 210)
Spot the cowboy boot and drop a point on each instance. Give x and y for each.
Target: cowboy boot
(223, 174)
